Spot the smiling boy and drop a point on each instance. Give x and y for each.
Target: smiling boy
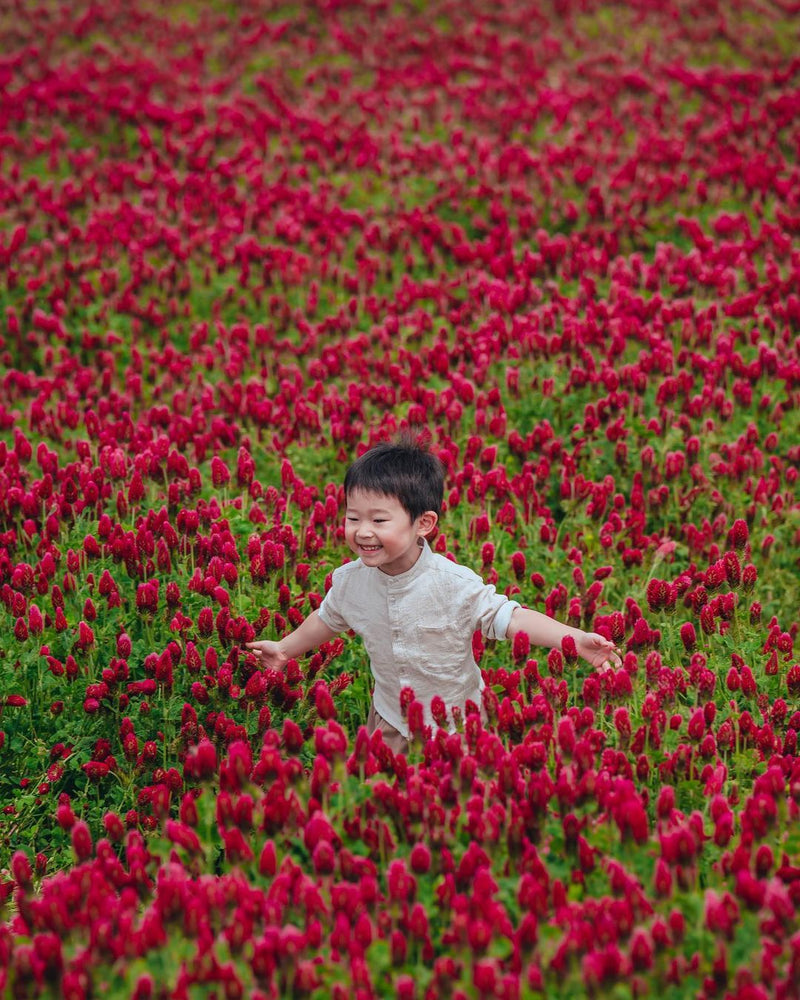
(416, 611)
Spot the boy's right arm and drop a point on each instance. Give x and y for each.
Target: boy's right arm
(312, 633)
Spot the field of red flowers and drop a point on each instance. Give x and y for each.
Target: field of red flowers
(241, 242)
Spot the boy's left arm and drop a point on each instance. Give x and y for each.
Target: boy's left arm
(545, 631)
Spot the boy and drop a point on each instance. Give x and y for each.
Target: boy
(415, 610)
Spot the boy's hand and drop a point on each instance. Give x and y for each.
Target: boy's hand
(310, 634)
(597, 650)
(269, 653)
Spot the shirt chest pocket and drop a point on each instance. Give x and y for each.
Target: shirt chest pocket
(441, 648)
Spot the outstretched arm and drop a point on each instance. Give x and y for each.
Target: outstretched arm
(545, 631)
(310, 634)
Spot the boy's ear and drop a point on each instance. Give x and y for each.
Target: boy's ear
(427, 522)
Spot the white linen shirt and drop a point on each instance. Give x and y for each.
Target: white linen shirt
(417, 628)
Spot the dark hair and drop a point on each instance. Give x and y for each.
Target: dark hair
(404, 469)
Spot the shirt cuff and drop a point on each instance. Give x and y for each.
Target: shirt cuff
(503, 619)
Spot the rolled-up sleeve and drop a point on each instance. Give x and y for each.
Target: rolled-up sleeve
(494, 611)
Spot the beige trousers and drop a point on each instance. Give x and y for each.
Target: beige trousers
(392, 737)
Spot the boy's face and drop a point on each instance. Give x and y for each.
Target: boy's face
(379, 530)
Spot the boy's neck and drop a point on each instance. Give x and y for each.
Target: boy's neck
(411, 565)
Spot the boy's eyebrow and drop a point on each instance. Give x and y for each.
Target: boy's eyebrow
(373, 510)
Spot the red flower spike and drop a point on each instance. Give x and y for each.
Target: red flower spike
(201, 761)
(749, 578)
(220, 473)
(267, 862)
(688, 636)
(416, 720)
(406, 697)
(420, 859)
(35, 620)
(439, 711)
(555, 663)
(324, 702)
(518, 565)
(323, 858)
(739, 535)
(569, 650)
(21, 870)
(622, 724)
(521, 646)
(81, 840)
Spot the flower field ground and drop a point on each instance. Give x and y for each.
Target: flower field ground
(242, 241)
